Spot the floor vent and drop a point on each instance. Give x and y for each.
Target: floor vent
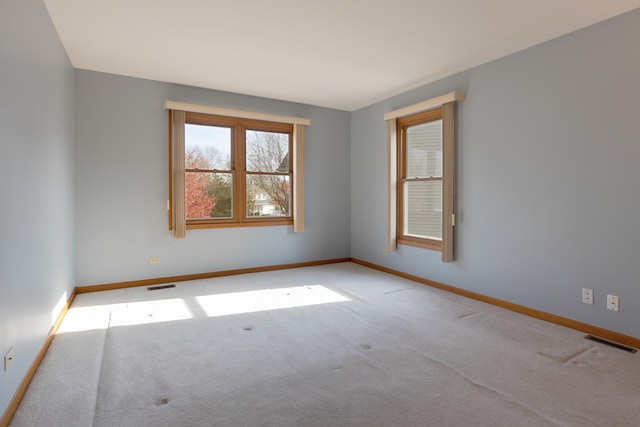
(156, 288)
(611, 343)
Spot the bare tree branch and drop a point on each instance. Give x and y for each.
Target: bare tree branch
(268, 152)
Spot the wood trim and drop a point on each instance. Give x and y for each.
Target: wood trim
(205, 109)
(239, 189)
(448, 180)
(170, 169)
(195, 224)
(420, 242)
(298, 179)
(392, 190)
(420, 118)
(197, 276)
(28, 376)
(178, 209)
(429, 179)
(254, 173)
(531, 312)
(400, 160)
(425, 105)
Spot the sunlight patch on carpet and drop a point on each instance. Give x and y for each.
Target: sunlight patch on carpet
(267, 299)
(146, 312)
(81, 319)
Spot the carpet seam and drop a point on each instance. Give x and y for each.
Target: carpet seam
(507, 396)
(577, 353)
(104, 346)
(499, 392)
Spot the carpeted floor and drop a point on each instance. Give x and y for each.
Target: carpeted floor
(335, 345)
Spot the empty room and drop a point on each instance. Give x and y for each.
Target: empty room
(334, 213)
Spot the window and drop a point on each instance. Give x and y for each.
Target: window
(237, 171)
(421, 175)
(420, 179)
(234, 171)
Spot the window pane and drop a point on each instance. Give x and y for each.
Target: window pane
(424, 150)
(207, 147)
(208, 195)
(267, 151)
(268, 195)
(423, 209)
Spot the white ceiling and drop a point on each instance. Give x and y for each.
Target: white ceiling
(343, 54)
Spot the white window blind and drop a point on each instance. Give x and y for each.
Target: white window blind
(423, 199)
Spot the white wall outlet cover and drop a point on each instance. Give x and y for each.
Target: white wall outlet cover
(613, 303)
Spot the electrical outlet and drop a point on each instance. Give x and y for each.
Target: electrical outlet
(613, 303)
(587, 296)
(154, 260)
(8, 358)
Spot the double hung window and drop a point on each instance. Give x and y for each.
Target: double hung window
(421, 175)
(234, 171)
(420, 179)
(237, 171)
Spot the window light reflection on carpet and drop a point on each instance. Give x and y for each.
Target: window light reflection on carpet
(79, 319)
(267, 299)
(145, 312)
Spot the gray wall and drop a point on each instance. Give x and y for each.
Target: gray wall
(547, 190)
(122, 190)
(36, 183)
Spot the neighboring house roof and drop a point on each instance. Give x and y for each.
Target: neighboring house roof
(284, 164)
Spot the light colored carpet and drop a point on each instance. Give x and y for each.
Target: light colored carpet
(335, 345)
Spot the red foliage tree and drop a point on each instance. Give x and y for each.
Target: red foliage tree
(197, 201)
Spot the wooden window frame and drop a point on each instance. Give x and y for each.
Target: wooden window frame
(239, 126)
(447, 103)
(402, 124)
